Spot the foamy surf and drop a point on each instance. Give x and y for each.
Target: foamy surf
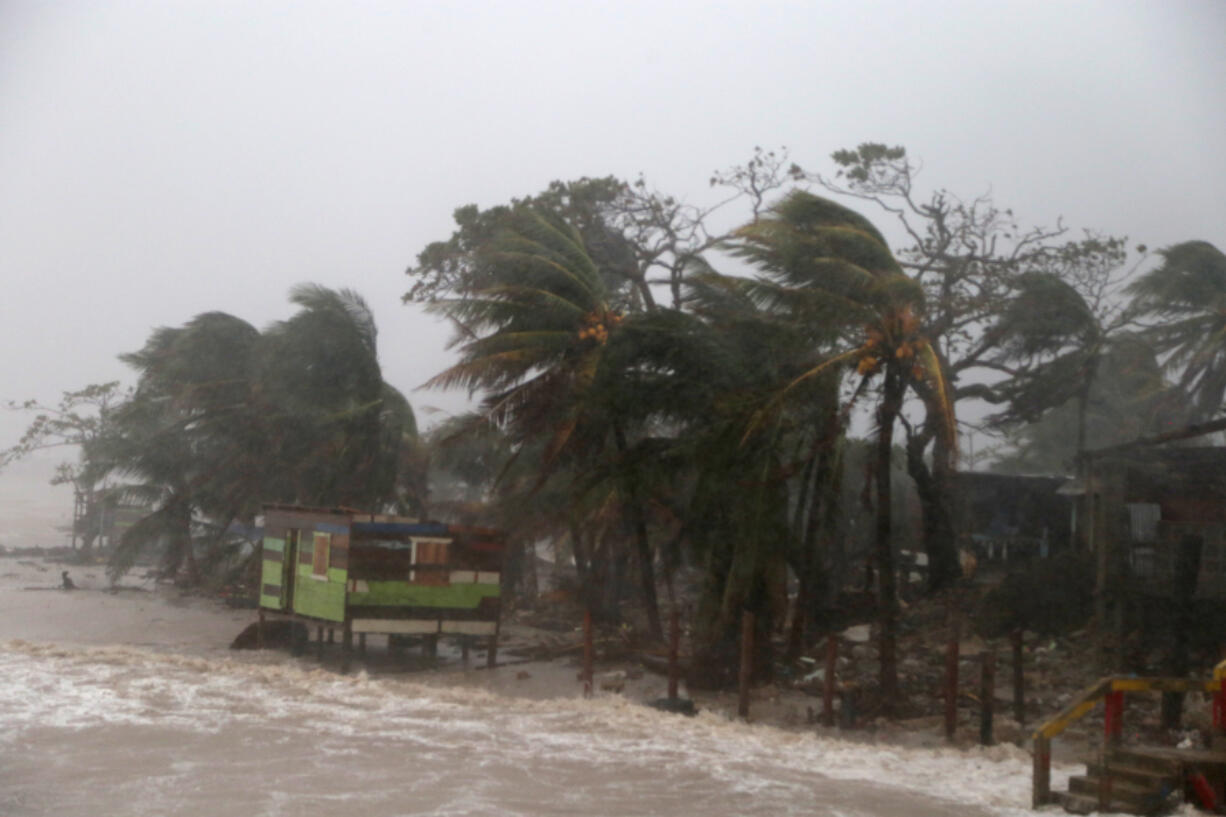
(122, 730)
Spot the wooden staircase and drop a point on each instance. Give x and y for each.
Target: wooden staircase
(1135, 780)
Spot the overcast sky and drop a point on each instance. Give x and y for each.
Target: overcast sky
(162, 159)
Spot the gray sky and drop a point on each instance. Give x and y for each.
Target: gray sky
(161, 159)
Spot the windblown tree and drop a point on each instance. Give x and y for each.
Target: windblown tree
(78, 419)
(224, 418)
(537, 317)
(835, 261)
(966, 256)
(1185, 298)
(1062, 347)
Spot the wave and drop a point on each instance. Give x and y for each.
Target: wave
(475, 751)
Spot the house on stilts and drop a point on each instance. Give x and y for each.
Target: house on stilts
(363, 573)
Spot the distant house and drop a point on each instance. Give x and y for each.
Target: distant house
(1153, 511)
(1153, 514)
(369, 573)
(1009, 518)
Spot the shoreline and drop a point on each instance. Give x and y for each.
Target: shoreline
(159, 616)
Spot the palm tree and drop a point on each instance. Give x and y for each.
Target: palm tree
(340, 424)
(535, 328)
(831, 265)
(224, 418)
(1187, 294)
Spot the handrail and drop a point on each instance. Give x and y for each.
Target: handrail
(1111, 690)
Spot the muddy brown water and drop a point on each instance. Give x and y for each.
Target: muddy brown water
(173, 725)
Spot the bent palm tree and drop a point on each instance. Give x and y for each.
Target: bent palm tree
(534, 337)
(826, 263)
(1188, 295)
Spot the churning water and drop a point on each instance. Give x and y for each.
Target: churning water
(89, 730)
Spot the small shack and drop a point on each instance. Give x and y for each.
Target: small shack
(1011, 517)
(363, 573)
(1153, 513)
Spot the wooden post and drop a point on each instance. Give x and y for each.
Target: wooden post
(746, 673)
(587, 653)
(491, 654)
(951, 682)
(362, 644)
(1113, 716)
(1019, 680)
(298, 637)
(259, 631)
(319, 642)
(987, 694)
(674, 647)
(1040, 793)
(346, 647)
(832, 662)
(464, 650)
(331, 636)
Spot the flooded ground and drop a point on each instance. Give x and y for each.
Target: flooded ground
(121, 715)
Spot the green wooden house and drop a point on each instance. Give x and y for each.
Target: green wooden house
(362, 573)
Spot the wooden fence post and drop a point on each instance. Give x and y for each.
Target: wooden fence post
(1113, 716)
(1019, 680)
(587, 653)
(951, 682)
(674, 647)
(1041, 783)
(746, 663)
(832, 661)
(987, 694)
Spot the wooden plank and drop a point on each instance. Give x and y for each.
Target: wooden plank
(273, 556)
(395, 626)
(467, 627)
(1082, 704)
(270, 590)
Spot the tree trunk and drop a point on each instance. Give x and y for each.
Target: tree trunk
(887, 413)
(822, 486)
(638, 521)
(935, 488)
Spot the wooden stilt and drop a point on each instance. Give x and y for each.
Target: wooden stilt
(491, 654)
(346, 647)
